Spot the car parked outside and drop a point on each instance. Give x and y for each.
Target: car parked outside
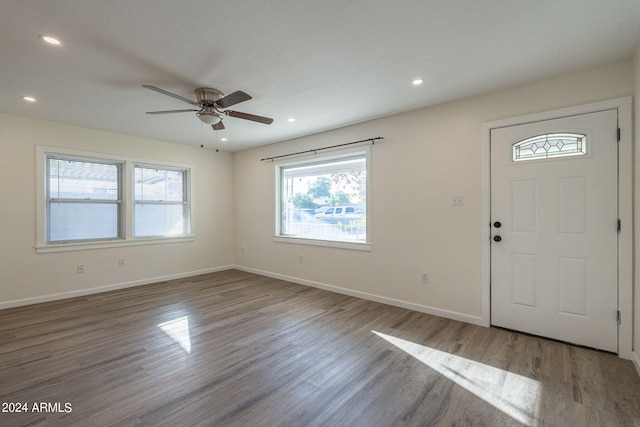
(336, 214)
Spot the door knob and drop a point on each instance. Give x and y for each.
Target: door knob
(497, 238)
(497, 224)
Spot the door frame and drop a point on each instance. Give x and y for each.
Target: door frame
(625, 208)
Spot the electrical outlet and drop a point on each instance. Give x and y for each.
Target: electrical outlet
(122, 262)
(80, 268)
(425, 277)
(457, 201)
(300, 259)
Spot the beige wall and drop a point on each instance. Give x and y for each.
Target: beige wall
(428, 156)
(29, 277)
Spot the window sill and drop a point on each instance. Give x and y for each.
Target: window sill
(325, 243)
(64, 247)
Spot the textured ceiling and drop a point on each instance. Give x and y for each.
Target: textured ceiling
(327, 63)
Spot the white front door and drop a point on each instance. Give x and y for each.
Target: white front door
(554, 221)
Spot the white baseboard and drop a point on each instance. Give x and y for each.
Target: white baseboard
(475, 320)
(107, 288)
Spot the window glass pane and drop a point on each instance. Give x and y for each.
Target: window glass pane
(550, 145)
(153, 184)
(87, 181)
(82, 221)
(160, 207)
(325, 200)
(153, 220)
(82, 179)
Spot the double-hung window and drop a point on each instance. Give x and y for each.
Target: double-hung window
(83, 199)
(324, 201)
(88, 199)
(161, 205)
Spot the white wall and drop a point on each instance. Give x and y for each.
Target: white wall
(428, 156)
(29, 277)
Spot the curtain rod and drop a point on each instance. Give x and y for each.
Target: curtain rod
(372, 140)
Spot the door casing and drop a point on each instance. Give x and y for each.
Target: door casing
(625, 201)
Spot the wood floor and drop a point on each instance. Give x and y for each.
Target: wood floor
(234, 348)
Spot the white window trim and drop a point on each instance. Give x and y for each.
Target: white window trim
(118, 201)
(127, 203)
(333, 155)
(325, 243)
(186, 193)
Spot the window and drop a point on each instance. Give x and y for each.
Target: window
(84, 199)
(550, 145)
(324, 200)
(161, 206)
(93, 200)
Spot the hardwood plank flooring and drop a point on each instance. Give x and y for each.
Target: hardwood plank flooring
(234, 348)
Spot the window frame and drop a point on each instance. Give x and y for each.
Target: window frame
(118, 201)
(127, 238)
(309, 160)
(185, 202)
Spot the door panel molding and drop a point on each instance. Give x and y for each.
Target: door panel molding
(625, 202)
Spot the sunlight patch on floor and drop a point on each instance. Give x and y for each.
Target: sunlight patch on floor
(513, 394)
(178, 331)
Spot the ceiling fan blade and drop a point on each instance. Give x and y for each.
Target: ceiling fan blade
(232, 99)
(218, 126)
(169, 111)
(173, 95)
(247, 116)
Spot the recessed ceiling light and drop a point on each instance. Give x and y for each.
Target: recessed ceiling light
(291, 119)
(29, 98)
(51, 40)
(223, 139)
(417, 82)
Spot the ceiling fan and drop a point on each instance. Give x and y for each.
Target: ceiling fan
(211, 105)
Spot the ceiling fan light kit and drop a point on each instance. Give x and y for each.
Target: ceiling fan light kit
(212, 103)
(208, 117)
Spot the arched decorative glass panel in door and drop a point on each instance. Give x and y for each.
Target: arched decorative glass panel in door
(550, 145)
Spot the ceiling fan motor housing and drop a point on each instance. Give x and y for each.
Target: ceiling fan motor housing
(207, 96)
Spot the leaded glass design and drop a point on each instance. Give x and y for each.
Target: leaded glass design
(550, 145)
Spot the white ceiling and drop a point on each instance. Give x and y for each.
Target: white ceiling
(328, 63)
